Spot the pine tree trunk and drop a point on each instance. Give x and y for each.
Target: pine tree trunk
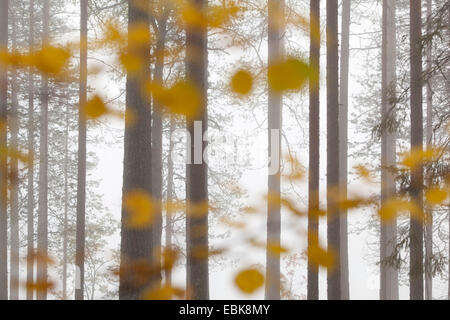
(275, 46)
(388, 230)
(41, 276)
(170, 198)
(157, 136)
(81, 181)
(136, 244)
(333, 219)
(197, 281)
(66, 202)
(343, 142)
(429, 140)
(314, 147)
(3, 156)
(14, 180)
(30, 171)
(416, 226)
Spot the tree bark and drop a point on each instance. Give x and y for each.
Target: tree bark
(66, 202)
(14, 179)
(428, 235)
(170, 198)
(343, 143)
(314, 147)
(157, 136)
(416, 226)
(333, 219)
(136, 244)
(81, 181)
(42, 275)
(30, 171)
(3, 156)
(197, 171)
(388, 230)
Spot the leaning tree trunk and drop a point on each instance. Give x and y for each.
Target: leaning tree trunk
(428, 235)
(157, 136)
(41, 276)
(314, 147)
(343, 143)
(388, 229)
(275, 46)
(14, 180)
(197, 275)
(3, 156)
(416, 225)
(136, 245)
(30, 171)
(333, 219)
(81, 181)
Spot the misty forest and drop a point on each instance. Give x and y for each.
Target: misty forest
(224, 149)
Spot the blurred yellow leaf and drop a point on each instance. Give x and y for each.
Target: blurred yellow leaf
(163, 293)
(287, 75)
(436, 196)
(276, 248)
(131, 62)
(242, 82)
(321, 257)
(363, 172)
(395, 206)
(95, 108)
(51, 59)
(140, 209)
(249, 280)
(39, 285)
(417, 157)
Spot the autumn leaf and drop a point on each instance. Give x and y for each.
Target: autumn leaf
(393, 207)
(321, 257)
(131, 62)
(163, 293)
(95, 108)
(250, 280)
(140, 209)
(276, 248)
(241, 82)
(288, 75)
(436, 196)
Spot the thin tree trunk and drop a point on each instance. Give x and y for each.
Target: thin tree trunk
(343, 143)
(30, 171)
(197, 171)
(81, 182)
(429, 140)
(3, 156)
(14, 180)
(388, 230)
(275, 46)
(136, 244)
(157, 136)
(416, 226)
(43, 172)
(314, 147)
(66, 201)
(170, 197)
(333, 219)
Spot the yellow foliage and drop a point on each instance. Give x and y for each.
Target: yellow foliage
(276, 248)
(39, 285)
(138, 35)
(436, 196)
(395, 206)
(321, 257)
(163, 293)
(140, 209)
(288, 75)
(417, 156)
(249, 280)
(363, 172)
(242, 82)
(95, 108)
(131, 62)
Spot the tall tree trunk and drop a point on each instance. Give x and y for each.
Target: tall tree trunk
(136, 244)
(333, 219)
(30, 171)
(314, 147)
(343, 142)
(3, 156)
(66, 201)
(275, 46)
(448, 95)
(42, 272)
(157, 136)
(388, 230)
(197, 171)
(389, 275)
(81, 182)
(416, 226)
(14, 180)
(429, 140)
(170, 197)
